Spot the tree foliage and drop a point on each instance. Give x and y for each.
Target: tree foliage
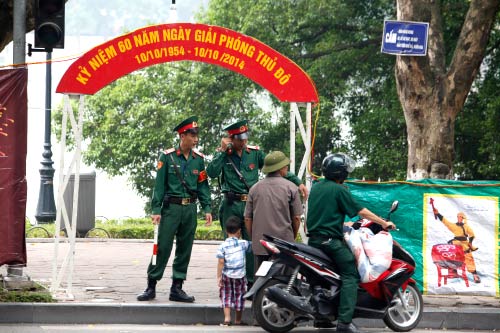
(478, 147)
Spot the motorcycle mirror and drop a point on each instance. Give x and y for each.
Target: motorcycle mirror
(394, 206)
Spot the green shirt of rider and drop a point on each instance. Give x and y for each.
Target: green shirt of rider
(328, 205)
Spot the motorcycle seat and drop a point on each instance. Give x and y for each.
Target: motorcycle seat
(315, 253)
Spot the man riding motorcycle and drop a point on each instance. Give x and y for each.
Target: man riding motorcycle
(329, 202)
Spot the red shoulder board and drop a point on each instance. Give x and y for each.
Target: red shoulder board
(198, 153)
(253, 147)
(168, 151)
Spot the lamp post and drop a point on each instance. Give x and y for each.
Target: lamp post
(46, 208)
(49, 34)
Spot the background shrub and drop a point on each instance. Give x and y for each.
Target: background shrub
(129, 228)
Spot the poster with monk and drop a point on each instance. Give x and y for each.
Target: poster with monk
(460, 244)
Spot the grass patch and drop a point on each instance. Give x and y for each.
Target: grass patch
(36, 294)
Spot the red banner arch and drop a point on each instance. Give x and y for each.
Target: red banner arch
(187, 41)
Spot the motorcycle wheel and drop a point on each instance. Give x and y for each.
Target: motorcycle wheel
(405, 314)
(268, 314)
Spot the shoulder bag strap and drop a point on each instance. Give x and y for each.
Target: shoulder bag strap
(238, 173)
(178, 174)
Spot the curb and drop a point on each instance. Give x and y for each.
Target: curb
(190, 314)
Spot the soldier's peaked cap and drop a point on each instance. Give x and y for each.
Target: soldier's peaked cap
(238, 130)
(190, 124)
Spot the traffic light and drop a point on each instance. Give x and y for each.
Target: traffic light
(49, 24)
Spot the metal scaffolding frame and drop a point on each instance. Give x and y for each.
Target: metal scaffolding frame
(306, 135)
(67, 266)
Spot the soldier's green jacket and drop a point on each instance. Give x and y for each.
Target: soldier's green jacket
(167, 182)
(252, 159)
(328, 205)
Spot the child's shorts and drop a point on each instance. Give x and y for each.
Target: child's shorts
(232, 291)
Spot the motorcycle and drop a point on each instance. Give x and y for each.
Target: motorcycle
(299, 284)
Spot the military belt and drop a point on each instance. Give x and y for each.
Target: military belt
(181, 201)
(236, 196)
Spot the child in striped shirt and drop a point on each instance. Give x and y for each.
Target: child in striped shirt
(231, 271)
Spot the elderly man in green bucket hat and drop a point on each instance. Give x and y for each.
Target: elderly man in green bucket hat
(273, 206)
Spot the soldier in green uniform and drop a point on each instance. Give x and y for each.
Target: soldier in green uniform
(181, 179)
(330, 201)
(238, 164)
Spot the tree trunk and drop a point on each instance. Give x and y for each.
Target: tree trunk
(431, 94)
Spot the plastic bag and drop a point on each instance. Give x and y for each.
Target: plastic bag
(373, 253)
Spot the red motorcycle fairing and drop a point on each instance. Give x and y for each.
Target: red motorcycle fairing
(397, 276)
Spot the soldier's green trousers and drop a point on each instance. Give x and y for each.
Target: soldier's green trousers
(179, 222)
(237, 208)
(342, 256)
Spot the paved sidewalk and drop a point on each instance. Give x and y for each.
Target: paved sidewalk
(108, 274)
(114, 271)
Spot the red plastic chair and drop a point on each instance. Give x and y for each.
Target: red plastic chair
(452, 258)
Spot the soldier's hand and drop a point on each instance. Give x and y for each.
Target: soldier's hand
(208, 219)
(224, 143)
(303, 191)
(156, 219)
(389, 225)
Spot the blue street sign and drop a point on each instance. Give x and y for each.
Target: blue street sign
(405, 38)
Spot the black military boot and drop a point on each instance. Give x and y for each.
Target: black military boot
(179, 295)
(149, 293)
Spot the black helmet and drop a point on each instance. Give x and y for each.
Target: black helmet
(337, 166)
